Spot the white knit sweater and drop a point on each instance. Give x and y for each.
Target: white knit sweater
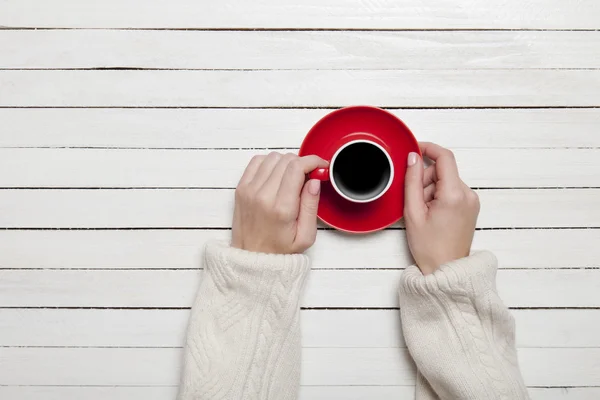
(244, 335)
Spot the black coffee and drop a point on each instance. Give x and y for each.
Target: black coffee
(361, 171)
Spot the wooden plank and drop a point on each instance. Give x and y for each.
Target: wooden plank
(89, 393)
(518, 288)
(171, 249)
(306, 393)
(407, 392)
(387, 88)
(413, 14)
(322, 367)
(320, 328)
(187, 208)
(535, 328)
(282, 128)
(505, 168)
(325, 288)
(66, 49)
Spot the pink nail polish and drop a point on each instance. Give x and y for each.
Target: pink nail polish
(412, 159)
(314, 187)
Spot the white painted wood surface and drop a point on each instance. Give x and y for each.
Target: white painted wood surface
(195, 208)
(57, 49)
(182, 249)
(306, 393)
(554, 288)
(223, 168)
(300, 88)
(342, 14)
(120, 141)
(320, 328)
(285, 128)
(321, 366)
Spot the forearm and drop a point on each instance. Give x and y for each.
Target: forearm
(459, 332)
(243, 337)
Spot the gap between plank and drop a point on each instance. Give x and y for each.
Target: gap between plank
(233, 188)
(238, 29)
(271, 148)
(324, 386)
(301, 308)
(288, 69)
(304, 347)
(212, 228)
(317, 269)
(588, 107)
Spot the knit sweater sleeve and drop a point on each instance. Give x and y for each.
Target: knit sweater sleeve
(243, 338)
(459, 332)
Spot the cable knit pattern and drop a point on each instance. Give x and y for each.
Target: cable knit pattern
(459, 332)
(244, 335)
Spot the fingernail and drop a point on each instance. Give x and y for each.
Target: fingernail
(412, 159)
(314, 187)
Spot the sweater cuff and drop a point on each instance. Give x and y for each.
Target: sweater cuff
(473, 276)
(232, 268)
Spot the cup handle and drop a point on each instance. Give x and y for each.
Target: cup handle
(321, 174)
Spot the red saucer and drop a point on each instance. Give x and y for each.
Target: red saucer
(385, 128)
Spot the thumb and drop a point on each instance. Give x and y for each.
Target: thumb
(307, 217)
(414, 201)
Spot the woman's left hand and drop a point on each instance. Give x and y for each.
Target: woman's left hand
(440, 209)
(275, 208)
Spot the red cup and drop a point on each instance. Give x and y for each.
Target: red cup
(360, 214)
(361, 169)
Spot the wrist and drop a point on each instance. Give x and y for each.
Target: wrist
(472, 276)
(426, 269)
(258, 248)
(428, 265)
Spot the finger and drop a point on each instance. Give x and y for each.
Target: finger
(251, 169)
(273, 182)
(295, 176)
(414, 203)
(429, 176)
(445, 163)
(307, 217)
(265, 169)
(429, 193)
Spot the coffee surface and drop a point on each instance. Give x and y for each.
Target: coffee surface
(361, 171)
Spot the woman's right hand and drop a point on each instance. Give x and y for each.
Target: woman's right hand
(440, 210)
(275, 207)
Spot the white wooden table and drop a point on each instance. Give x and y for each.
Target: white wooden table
(125, 124)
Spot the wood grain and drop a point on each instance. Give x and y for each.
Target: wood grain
(172, 249)
(517, 100)
(186, 208)
(67, 49)
(404, 392)
(413, 14)
(264, 128)
(320, 328)
(326, 288)
(309, 88)
(504, 168)
(306, 393)
(322, 367)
